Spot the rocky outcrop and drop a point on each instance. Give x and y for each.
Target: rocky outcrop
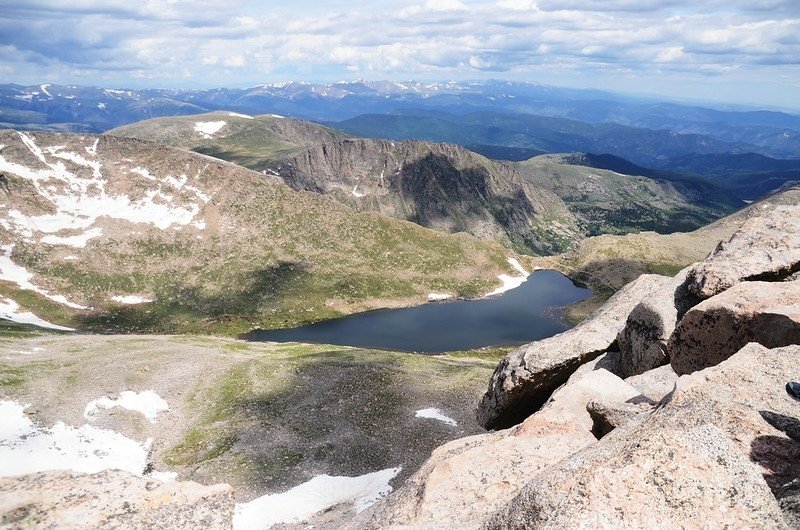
(766, 247)
(111, 499)
(712, 331)
(715, 452)
(466, 480)
(440, 186)
(643, 341)
(527, 376)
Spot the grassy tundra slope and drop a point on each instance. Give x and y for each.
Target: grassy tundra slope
(113, 234)
(250, 141)
(262, 417)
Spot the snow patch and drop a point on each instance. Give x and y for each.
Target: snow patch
(435, 414)
(316, 495)
(208, 128)
(93, 149)
(278, 116)
(27, 448)
(514, 263)
(101, 106)
(356, 193)
(437, 297)
(10, 310)
(147, 402)
(131, 299)
(11, 272)
(237, 115)
(44, 90)
(510, 282)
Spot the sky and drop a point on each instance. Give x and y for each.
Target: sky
(739, 51)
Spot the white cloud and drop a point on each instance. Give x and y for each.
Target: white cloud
(112, 42)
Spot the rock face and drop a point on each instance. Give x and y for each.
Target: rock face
(715, 452)
(643, 340)
(440, 186)
(527, 376)
(111, 499)
(766, 247)
(466, 480)
(712, 331)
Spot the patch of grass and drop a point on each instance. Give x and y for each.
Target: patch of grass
(200, 445)
(11, 377)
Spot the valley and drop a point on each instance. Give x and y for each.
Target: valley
(378, 266)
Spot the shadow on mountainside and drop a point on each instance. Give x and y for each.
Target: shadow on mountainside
(273, 423)
(238, 298)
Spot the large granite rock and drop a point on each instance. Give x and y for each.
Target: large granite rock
(643, 341)
(766, 247)
(714, 452)
(712, 331)
(527, 376)
(466, 480)
(111, 499)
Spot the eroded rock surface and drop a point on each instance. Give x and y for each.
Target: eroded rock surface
(111, 499)
(643, 341)
(527, 376)
(715, 452)
(712, 331)
(656, 383)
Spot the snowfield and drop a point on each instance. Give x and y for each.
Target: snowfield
(80, 201)
(27, 448)
(208, 128)
(11, 272)
(510, 282)
(10, 310)
(318, 494)
(147, 402)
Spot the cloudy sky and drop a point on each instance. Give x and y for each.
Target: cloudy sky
(717, 50)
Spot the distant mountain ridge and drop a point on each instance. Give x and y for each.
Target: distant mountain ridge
(91, 109)
(446, 187)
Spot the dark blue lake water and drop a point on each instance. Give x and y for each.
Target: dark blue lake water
(530, 312)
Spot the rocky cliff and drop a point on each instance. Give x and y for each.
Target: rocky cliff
(440, 186)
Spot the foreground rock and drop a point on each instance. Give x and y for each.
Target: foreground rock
(766, 247)
(712, 331)
(111, 499)
(643, 341)
(714, 453)
(466, 480)
(527, 376)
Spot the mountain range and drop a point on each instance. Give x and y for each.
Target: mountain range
(542, 205)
